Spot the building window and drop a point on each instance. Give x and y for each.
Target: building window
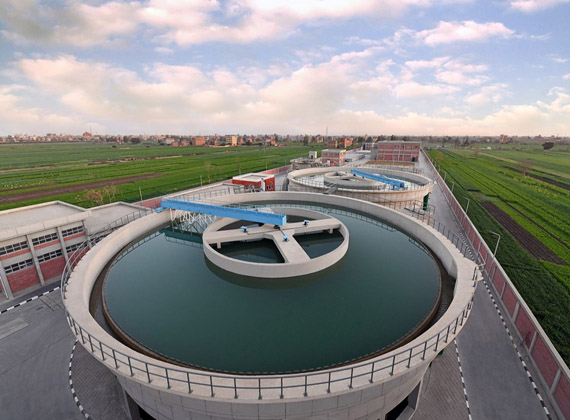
(71, 231)
(18, 266)
(50, 256)
(8, 249)
(43, 239)
(73, 247)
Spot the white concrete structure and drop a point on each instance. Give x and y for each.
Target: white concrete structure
(419, 186)
(296, 261)
(364, 390)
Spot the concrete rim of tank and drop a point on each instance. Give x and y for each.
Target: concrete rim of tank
(87, 271)
(422, 183)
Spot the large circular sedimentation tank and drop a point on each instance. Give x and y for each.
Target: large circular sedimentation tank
(352, 339)
(356, 307)
(410, 186)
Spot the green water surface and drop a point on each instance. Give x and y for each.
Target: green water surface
(167, 297)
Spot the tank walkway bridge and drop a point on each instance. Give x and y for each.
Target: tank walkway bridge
(394, 183)
(195, 212)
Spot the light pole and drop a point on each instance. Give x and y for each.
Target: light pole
(467, 207)
(497, 245)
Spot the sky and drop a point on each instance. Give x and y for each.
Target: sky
(404, 67)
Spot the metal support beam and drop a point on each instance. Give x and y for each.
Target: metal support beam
(222, 211)
(394, 183)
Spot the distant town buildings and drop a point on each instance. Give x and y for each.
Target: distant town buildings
(365, 142)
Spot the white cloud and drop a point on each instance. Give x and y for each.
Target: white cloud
(426, 64)
(337, 93)
(530, 6)
(557, 59)
(466, 31)
(77, 24)
(15, 117)
(492, 93)
(416, 90)
(182, 22)
(566, 76)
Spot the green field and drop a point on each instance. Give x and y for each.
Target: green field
(533, 188)
(26, 168)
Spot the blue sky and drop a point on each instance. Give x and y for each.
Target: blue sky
(433, 67)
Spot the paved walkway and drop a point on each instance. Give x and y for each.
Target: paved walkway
(497, 385)
(34, 361)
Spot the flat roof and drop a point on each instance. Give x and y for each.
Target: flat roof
(253, 177)
(103, 215)
(30, 219)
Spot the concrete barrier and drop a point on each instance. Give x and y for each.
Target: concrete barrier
(553, 372)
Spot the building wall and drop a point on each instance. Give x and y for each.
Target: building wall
(53, 268)
(23, 279)
(396, 151)
(38, 247)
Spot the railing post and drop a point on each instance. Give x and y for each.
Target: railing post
(167, 378)
(147, 372)
(351, 376)
(101, 349)
(455, 328)
(189, 382)
(90, 342)
(447, 334)
(305, 393)
(437, 343)
(281, 395)
(211, 386)
(393, 363)
(115, 359)
(235, 388)
(259, 387)
(410, 357)
(130, 366)
(329, 384)
(425, 348)
(372, 373)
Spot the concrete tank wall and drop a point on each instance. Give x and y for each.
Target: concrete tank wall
(160, 387)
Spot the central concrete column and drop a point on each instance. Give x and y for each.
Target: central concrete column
(62, 243)
(35, 258)
(5, 285)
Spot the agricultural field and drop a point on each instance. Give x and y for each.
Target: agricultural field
(525, 197)
(85, 173)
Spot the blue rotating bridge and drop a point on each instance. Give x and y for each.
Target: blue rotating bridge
(396, 184)
(231, 211)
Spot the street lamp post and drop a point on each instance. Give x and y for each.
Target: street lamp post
(497, 245)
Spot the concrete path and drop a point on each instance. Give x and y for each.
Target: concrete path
(497, 385)
(34, 362)
(442, 392)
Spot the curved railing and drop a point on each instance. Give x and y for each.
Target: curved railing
(211, 383)
(306, 181)
(74, 257)
(271, 386)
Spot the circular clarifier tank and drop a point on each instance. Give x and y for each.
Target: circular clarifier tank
(166, 297)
